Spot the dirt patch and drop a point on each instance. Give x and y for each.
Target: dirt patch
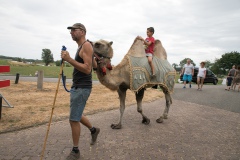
(33, 107)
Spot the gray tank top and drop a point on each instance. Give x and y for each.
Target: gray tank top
(232, 72)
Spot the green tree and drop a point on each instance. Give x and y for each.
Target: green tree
(174, 65)
(58, 63)
(19, 59)
(47, 56)
(225, 63)
(216, 68)
(184, 61)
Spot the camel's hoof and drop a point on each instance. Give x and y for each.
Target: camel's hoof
(159, 120)
(146, 121)
(116, 126)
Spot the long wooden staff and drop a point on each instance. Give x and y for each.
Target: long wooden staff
(50, 120)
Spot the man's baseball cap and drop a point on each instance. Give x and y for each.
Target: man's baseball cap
(77, 26)
(151, 29)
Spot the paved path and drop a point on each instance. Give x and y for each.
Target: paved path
(193, 131)
(211, 95)
(34, 79)
(31, 79)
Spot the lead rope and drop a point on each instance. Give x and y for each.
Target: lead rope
(63, 79)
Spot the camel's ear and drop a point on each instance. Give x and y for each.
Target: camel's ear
(110, 43)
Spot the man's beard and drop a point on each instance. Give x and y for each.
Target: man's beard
(74, 38)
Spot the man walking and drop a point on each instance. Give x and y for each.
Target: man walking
(188, 72)
(230, 77)
(81, 87)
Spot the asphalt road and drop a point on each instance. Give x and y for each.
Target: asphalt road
(31, 79)
(211, 95)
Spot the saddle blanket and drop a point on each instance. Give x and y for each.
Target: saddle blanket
(140, 73)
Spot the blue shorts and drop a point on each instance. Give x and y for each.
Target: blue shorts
(187, 77)
(78, 99)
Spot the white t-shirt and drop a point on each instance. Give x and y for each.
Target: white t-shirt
(188, 69)
(201, 72)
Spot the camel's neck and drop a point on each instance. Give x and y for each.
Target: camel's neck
(115, 77)
(110, 80)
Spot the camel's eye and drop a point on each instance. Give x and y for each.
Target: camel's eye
(97, 45)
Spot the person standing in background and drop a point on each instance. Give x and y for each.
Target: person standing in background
(201, 75)
(230, 76)
(188, 72)
(236, 79)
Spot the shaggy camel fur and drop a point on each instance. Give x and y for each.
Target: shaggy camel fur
(118, 78)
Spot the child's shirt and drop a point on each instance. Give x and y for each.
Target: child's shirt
(150, 48)
(201, 72)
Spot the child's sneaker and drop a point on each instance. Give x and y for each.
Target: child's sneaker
(184, 87)
(190, 86)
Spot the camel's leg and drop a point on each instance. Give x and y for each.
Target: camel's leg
(139, 97)
(122, 97)
(168, 103)
(234, 86)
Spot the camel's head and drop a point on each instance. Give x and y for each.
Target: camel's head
(103, 52)
(103, 48)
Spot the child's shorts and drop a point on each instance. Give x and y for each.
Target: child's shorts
(149, 54)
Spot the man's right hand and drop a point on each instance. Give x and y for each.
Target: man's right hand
(65, 56)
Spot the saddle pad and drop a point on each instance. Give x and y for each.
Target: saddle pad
(140, 73)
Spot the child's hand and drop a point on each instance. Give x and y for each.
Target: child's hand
(145, 46)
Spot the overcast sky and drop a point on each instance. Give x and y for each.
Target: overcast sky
(197, 29)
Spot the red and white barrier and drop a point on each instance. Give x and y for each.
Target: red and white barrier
(4, 83)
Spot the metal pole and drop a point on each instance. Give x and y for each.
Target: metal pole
(17, 78)
(8, 104)
(50, 120)
(0, 106)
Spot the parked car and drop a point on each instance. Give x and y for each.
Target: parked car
(210, 77)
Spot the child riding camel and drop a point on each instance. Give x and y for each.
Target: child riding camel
(149, 43)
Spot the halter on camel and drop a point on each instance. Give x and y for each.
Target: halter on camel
(104, 61)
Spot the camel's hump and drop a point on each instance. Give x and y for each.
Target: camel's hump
(159, 50)
(137, 49)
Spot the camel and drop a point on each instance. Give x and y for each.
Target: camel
(118, 78)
